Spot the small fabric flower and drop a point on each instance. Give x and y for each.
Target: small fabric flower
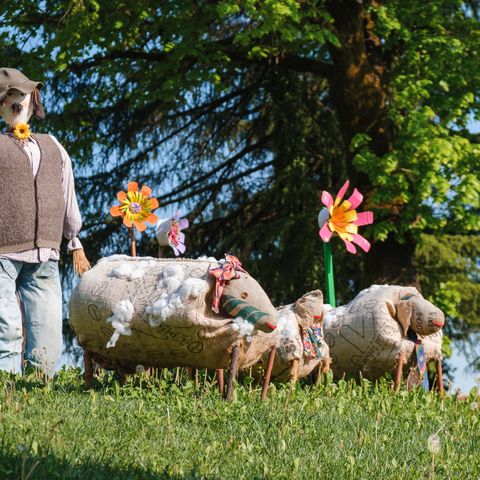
(312, 341)
(340, 217)
(228, 270)
(21, 131)
(136, 207)
(169, 233)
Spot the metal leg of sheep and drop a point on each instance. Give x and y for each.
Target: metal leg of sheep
(323, 368)
(399, 372)
(294, 370)
(440, 377)
(193, 375)
(221, 381)
(233, 373)
(88, 366)
(268, 372)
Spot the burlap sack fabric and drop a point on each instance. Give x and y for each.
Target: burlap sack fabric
(192, 335)
(294, 320)
(367, 335)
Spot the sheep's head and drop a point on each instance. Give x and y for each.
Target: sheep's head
(309, 308)
(414, 312)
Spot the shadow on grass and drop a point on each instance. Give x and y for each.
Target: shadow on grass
(15, 467)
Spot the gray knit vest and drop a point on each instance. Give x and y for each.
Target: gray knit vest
(31, 208)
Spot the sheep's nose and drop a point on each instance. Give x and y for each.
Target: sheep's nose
(436, 319)
(427, 320)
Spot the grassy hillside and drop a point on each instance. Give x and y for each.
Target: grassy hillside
(154, 428)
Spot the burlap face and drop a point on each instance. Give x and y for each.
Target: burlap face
(366, 336)
(309, 308)
(191, 335)
(419, 314)
(245, 298)
(293, 321)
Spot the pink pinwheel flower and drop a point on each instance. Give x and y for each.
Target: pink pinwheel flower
(169, 233)
(341, 217)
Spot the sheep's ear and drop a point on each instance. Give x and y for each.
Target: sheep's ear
(308, 308)
(405, 313)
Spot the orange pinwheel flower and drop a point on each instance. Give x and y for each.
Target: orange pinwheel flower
(136, 207)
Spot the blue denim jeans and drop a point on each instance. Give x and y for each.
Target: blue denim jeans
(36, 287)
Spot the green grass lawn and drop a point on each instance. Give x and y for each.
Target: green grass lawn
(156, 429)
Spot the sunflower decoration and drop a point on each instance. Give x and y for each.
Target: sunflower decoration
(21, 131)
(136, 207)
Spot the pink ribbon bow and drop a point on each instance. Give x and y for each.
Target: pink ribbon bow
(225, 272)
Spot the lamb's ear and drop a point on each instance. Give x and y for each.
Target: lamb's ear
(308, 308)
(405, 313)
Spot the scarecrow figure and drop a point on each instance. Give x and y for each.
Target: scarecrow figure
(38, 201)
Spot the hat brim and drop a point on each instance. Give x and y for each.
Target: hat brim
(27, 87)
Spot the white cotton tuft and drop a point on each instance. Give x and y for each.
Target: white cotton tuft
(170, 284)
(173, 271)
(132, 270)
(122, 328)
(153, 320)
(122, 313)
(192, 288)
(287, 325)
(177, 294)
(113, 339)
(208, 259)
(126, 258)
(244, 328)
(171, 278)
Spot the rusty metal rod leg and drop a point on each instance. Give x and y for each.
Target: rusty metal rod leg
(221, 381)
(440, 377)
(326, 365)
(233, 373)
(323, 368)
(88, 366)
(399, 372)
(294, 370)
(193, 375)
(268, 372)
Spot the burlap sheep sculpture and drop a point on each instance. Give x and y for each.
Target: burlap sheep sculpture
(380, 330)
(128, 311)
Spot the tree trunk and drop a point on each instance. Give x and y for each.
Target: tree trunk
(390, 262)
(359, 87)
(359, 84)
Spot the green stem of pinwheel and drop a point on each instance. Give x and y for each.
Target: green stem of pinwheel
(329, 280)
